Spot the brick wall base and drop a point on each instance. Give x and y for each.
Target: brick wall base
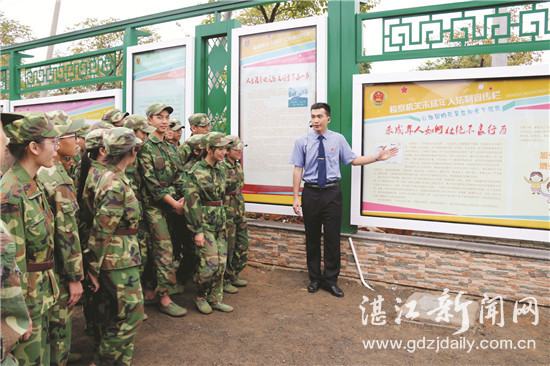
(475, 268)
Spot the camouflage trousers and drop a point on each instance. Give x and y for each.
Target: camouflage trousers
(121, 291)
(159, 227)
(211, 262)
(61, 325)
(36, 349)
(146, 269)
(237, 248)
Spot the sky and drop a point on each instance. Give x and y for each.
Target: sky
(74, 11)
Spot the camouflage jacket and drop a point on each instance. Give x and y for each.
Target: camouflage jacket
(184, 153)
(74, 171)
(194, 159)
(26, 212)
(205, 183)
(160, 171)
(116, 208)
(133, 178)
(87, 212)
(234, 203)
(14, 315)
(61, 196)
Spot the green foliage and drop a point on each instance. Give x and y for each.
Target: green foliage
(12, 32)
(281, 11)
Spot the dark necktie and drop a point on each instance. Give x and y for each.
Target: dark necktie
(321, 164)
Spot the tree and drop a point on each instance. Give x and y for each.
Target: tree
(12, 32)
(291, 10)
(100, 42)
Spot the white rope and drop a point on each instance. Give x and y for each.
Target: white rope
(358, 266)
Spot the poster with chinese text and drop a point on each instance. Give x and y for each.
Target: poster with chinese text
(159, 76)
(277, 76)
(471, 151)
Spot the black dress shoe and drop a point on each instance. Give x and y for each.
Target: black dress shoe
(334, 290)
(313, 286)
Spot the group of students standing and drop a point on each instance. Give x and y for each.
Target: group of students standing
(124, 223)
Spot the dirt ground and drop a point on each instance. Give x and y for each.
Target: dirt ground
(277, 322)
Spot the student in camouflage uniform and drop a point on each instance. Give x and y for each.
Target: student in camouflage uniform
(26, 212)
(188, 262)
(92, 169)
(205, 215)
(177, 127)
(115, 249)
(61, 196)
(200, 125)
(74, 171)
(15, 322)
(114, 117)
(197, 147)
(236, 225)
(162, 193)
(142, 129)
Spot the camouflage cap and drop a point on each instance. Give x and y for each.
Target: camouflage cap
(196, 142)
(199, 119)
(33, 126)
(94, 139)
(60, 118)
(120, 140)
(101, 124)
(175, 124)
(83, 130)
(8, 118)
(114, 116)
(157, 108)
(235, 143)
(137, 122)
(215, 139)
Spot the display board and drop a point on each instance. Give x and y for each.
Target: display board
(4, 105)
(473, 154)
(281, 73)
(91, 106)
(161, 73)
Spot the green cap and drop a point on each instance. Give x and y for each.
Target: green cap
(101, 124)
(33, 126)
(60, 118)
(199, 119)
(83, 130)
(196, 142)
(137, 122)
(157, 108)
(8, 118)
(120, 140)
(94, 139)
(175, 124)
(215, 139)
(235, 143)
(114, 116)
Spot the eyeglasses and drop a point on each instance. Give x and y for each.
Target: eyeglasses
(55, 142)
(67, 136)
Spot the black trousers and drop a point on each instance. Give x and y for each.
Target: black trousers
(322, 208)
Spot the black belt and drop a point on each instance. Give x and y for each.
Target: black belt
(318, 187)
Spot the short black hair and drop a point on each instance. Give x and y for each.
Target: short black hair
(321, 105)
